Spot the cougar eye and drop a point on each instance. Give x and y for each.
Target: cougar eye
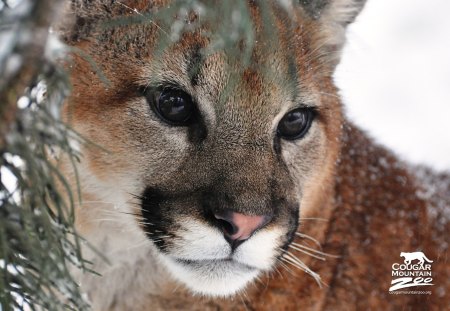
(174, 106)
(296, 123)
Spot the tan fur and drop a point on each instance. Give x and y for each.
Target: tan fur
(356, 199)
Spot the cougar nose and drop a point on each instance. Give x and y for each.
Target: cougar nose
(239, 227)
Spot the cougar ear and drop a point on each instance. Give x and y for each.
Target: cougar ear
(337, 12)
(333, 17)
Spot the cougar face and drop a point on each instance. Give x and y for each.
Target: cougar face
(213, 159)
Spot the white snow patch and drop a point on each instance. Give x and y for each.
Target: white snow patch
(395, 77)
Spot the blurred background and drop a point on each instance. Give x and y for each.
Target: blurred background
(395, 77)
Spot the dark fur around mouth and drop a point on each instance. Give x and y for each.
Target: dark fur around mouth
(156, 220)
(160, 211)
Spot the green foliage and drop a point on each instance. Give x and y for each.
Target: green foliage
(38, 243)
(37, 238)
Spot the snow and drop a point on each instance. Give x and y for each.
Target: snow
(395, 77)
(8, 179)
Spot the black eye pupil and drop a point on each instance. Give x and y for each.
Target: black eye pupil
(295, 124)
(174, 106)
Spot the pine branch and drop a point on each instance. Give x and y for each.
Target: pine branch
(38, 243)
(26, 55)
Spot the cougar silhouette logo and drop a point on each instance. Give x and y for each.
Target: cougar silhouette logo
(409, 257)
(226, 182)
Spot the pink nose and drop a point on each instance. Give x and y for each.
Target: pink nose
(237, 226)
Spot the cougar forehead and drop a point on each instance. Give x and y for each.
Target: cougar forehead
(186, 185)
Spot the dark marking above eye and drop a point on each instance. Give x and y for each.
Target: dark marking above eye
(194, 65)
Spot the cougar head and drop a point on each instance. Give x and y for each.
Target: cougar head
(213, 155)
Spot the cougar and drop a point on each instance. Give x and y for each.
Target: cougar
(230, 179)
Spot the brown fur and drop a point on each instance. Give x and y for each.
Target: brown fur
(368, 220)
(361, 203)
